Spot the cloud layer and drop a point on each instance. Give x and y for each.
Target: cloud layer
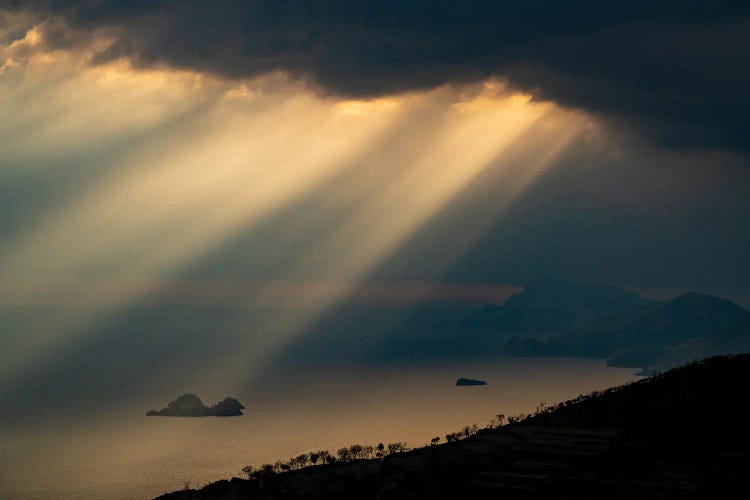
(673, 70)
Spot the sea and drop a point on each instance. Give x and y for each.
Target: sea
(118, 453)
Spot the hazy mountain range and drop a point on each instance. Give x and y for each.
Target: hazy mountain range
(629, 330)
(548, 317)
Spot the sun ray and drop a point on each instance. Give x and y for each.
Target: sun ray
(175, 202)
(471, 136)
(243, 156)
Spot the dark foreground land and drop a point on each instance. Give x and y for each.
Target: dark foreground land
(682, 434)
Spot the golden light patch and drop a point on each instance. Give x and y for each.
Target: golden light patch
(33, 37)
(121, 72)
(491, 98)
(240, 92)
(357, 108)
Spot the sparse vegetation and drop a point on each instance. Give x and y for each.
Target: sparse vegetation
(248, 471)
(366, 452)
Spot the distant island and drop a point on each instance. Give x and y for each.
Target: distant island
(462, 382)
(190, 405)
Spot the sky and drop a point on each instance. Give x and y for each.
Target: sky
(286, 155)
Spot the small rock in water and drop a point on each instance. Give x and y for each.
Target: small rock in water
(468, 381)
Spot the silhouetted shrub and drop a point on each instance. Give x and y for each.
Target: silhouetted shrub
(343, 454)
(248, 471)
(397, 447)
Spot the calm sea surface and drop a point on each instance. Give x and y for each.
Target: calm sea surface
(121, 454)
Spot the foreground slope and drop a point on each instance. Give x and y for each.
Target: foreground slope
(681, 434)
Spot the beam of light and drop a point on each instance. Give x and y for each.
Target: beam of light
(525, 164)
(394, 164)
(75, 110)
(164, 205)
(437, 167)
(465, 144)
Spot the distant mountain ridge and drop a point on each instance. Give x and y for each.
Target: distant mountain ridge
(650, 335)
(551, 305)
(548, 317)
(565, 295)
(542, 309)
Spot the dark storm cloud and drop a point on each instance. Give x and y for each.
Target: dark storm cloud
(676, 70)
